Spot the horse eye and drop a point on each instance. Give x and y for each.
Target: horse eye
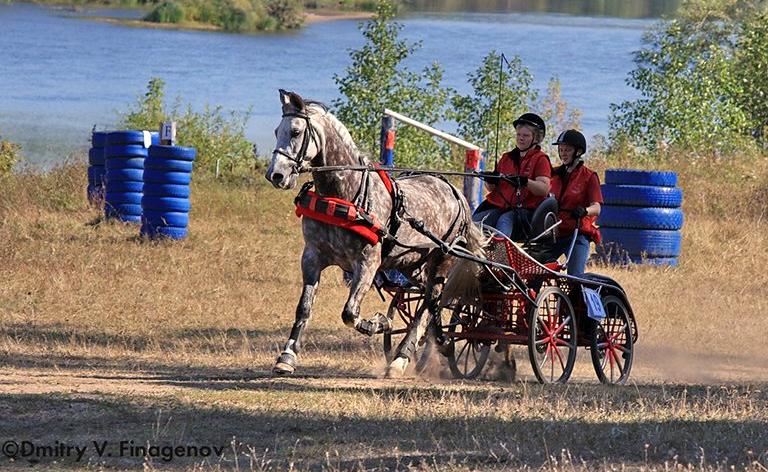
(295, 133)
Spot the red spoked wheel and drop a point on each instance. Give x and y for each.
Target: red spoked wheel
(402, 309)
(552, 336)
(467, 357)
(612, 347)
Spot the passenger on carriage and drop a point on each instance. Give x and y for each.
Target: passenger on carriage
(519, 183)
(577, 190)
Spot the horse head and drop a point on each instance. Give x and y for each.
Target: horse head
(299, 140)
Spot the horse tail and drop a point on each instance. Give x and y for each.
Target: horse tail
(462, 286)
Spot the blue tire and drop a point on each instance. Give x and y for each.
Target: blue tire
(131, 198)
(643, 196)
(123, 186)
(122, 209)
(651, 242)
(640, 177)
(117, 138)
(132, 150)
(160, 232)
(125, 163)
(114, 175)
(96, 156)
(166, 190)
(173, 152)
(171, 218)
(171, 165)
(155, 137)
(163, 177)
(99, 139)
(166, 204)
(640, 218)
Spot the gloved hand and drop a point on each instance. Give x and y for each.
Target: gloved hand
(579, 212)
(490, 177)
(518, 181)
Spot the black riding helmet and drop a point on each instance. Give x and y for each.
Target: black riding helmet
(531, 119)
(575, 139)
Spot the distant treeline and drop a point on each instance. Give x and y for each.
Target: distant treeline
(230, 15)
(617, 8)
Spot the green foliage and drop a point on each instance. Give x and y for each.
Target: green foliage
(377, 79)
(166, 12)
(478, 113)
(701, 80)
(9, 155)
(218, 137)
(150, 109)
(500, 95)
(232, 15)
(287, 13)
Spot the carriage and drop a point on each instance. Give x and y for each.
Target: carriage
(523, 301)
(519, 301)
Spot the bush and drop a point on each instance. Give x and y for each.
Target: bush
(166, 12)
(217, 137)
(9, 155)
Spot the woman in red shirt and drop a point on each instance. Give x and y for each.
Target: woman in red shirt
(519, 183)
(577, 190)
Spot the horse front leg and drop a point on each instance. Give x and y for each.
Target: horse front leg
(311, 268)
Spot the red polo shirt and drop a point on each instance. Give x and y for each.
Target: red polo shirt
(580, 188)
(534, 164)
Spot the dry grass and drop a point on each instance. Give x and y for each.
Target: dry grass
(104, 336)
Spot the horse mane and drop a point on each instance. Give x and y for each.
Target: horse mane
(338, 126)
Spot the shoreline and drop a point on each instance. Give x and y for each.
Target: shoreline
(310, 18)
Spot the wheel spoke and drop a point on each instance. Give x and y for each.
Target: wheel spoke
(543, 323)
(562, 364)
(562, 326)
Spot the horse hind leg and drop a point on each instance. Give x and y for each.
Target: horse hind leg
(421, 325)
(310, 269)
(361, 283)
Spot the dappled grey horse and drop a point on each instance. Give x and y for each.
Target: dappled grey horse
(309, 135)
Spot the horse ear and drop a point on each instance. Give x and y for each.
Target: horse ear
(297, 101)
(284, 97)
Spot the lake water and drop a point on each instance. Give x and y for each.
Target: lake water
(61, 74)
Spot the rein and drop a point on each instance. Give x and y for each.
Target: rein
(387, 169)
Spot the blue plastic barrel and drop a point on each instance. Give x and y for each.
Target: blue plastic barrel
(165, 205)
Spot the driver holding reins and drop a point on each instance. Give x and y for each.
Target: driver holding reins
(519, 183)
(577, 190)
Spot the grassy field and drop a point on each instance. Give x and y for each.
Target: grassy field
(105, 337)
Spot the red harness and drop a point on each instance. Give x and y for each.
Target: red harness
(342, 213)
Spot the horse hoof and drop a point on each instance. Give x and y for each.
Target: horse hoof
(396, 368)
(285, 365)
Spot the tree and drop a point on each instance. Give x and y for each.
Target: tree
(499, 96)
(700, 79)
(377, 79)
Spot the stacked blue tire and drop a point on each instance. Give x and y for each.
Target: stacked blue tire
(167, 175)
(96, 170)
(124, 157)
(641, 218)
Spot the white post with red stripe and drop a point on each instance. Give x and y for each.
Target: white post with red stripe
(473, 186)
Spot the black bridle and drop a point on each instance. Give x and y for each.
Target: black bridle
(309, 134)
